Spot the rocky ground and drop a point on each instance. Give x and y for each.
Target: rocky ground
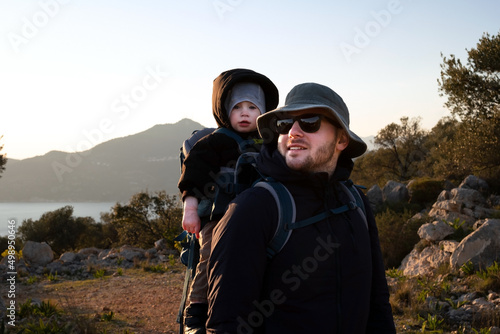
(144, 298)
(132, 290)
(140, 301)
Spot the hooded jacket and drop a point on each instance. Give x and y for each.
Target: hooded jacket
(328, 278)
(217, 150)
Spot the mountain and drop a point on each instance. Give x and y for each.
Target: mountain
(112, 171)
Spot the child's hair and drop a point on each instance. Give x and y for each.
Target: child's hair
(245, 91)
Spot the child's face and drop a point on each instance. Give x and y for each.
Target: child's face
(243, 117)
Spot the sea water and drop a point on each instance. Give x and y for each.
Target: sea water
(22, 211)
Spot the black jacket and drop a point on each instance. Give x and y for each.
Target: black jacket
(217, 150)
(328, 278)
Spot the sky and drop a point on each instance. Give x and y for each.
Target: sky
(75, 73)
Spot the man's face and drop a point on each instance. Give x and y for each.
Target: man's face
(312, 152)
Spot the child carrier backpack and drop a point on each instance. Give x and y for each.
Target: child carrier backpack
(225, 191)
(245, 175)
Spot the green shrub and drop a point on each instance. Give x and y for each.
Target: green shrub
(107, 316)
(468, 268)
(158, 268)
(460, 232)
(398, 235)
(100, 273)
(425, 190)
(431, 324)
(489, 279)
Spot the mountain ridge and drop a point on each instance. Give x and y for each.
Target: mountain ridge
(111, 171)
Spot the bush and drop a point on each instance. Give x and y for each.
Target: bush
(398, 235)
(425, 190)
(64, 232)
(145, 219)
(58, 228)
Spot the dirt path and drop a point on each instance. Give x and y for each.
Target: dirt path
(141, 302)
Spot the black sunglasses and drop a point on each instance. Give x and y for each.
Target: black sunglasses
(308, 123)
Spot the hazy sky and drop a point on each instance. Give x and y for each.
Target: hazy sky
(74, 73)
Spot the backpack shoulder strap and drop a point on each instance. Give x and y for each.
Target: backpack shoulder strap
(286, 214)
(188, 143)
(231, 134)
(243, 144)
(354, 195)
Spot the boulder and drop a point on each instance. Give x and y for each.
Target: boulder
(110, 255)
(103, 254)
(130, 253)
(435, 231)
(37, 253)
(463, 204)
(151, 253)
(468, 197)
(375, 196)
(161, 244)
(443, 196)
(69, 257)
(55, 267)
(480, 247)
(86, 252)
(424, 262)
(494, 200)
(474, 182)
(395, 192)
(448, 246)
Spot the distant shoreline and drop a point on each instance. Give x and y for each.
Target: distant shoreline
(20, 211)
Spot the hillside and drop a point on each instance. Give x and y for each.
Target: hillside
(111, 171)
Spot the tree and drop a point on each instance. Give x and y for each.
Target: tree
(57, 228)
(473, 92)
(401, 149)
(366, 171)
(440, 143)
(3, 159)
(146, 218)
(64, 232)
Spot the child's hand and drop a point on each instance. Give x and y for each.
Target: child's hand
(190, 220)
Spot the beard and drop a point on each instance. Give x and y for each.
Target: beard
(323, 159)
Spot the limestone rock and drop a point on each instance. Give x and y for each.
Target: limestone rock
(160, 244)
(474, 182)
(435, 231)
(37, 253)
(448, 246)
(130, 253)
(423, 263)
(395, 192)
(375, 196)
(69, 257)
(480, 247)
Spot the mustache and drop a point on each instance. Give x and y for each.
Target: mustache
(299, 141)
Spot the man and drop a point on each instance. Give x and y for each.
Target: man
(329, 276)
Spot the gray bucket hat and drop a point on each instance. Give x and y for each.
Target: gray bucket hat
(312, 95)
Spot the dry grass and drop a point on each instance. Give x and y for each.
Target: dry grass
(139, 301)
